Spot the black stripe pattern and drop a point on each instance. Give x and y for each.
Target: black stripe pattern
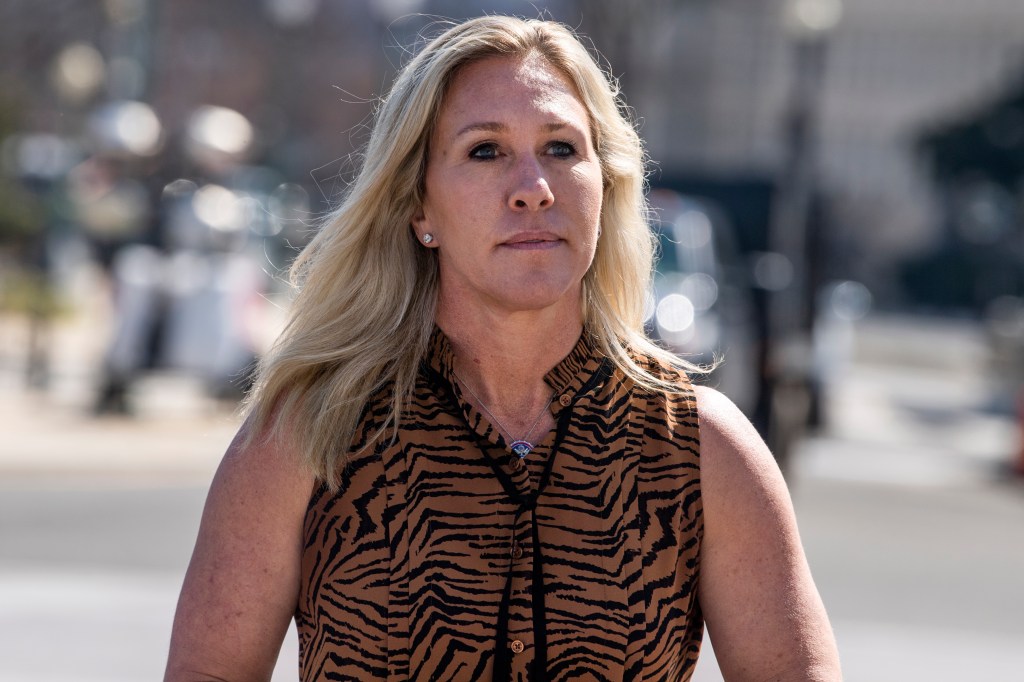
(438, 559)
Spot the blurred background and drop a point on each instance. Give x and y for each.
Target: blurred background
(839, 188)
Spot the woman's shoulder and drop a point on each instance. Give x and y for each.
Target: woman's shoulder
(756, 609)
(726, 431)
(736, 464)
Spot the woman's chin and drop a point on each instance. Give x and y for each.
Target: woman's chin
(538, 299)
(521, 294)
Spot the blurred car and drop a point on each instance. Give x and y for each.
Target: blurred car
(701, 305)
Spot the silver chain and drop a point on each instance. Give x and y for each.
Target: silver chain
(501, 426)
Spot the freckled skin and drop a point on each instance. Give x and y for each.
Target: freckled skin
(513, 189)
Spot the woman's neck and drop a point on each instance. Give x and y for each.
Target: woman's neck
(504, 357)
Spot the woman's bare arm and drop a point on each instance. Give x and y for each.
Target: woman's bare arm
(762, 609)
(242, 584)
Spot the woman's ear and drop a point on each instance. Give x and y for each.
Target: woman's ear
(421, 228)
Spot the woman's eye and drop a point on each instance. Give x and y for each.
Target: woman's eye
(484, 151)
(562, 149)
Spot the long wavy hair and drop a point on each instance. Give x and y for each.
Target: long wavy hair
(367, 290)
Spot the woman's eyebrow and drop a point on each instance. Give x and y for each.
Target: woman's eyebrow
(496, 127)
(485, 126)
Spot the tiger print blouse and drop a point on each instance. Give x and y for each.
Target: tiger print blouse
(443, 556)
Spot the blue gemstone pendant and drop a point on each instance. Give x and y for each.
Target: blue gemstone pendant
(521, 448)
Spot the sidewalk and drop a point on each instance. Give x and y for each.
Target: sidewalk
(914, 408)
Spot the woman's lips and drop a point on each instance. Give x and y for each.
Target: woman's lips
(533, 242)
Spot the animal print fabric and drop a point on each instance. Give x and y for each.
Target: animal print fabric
(441, 559)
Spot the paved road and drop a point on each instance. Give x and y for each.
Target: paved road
(915, 540)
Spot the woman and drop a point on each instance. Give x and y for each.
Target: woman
(463, 459)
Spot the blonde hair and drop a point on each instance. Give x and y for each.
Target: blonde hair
(364, 312)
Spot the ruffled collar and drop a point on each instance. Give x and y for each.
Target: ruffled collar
(566, 378)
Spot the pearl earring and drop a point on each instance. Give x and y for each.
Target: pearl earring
(427, 238)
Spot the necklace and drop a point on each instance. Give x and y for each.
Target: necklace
(521, 446)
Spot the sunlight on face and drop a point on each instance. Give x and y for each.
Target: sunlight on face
(513, 189)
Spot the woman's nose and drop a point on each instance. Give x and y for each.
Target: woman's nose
(531, 191)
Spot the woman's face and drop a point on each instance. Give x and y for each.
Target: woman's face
(513, 188)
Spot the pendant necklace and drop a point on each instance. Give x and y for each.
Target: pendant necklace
(521, 446)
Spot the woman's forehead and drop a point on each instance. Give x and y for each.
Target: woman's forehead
(488, 90)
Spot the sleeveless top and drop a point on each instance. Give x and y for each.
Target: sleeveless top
(443, 556)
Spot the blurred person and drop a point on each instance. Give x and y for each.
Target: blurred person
(115, 210)
(186, 286)
(463, 459)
